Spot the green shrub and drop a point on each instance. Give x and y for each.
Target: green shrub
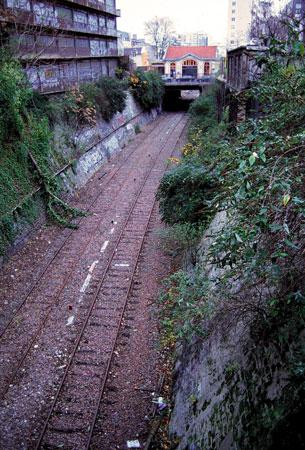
(147, 88)
(109, 96)
(14, 97)
(185, 193)
(179, 238)
(82, 106)
(203, 111)
(26, 154)
(185, 303)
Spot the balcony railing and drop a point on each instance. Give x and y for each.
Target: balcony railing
(29, 19)
(190, 81)
(58, 80)
(54, 51)
(84, 28)
(98, 5)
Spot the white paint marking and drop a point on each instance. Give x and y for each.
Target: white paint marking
(121, 265)
(93, 265)
(133, 444)
(112, 231)
(70, 321)
(86, 283)
(105, 245)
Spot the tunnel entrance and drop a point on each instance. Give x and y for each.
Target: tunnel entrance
(179, 100)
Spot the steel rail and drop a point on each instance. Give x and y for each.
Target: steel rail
(97, 292)
(49, 310)
(106, 182)
(103, 385)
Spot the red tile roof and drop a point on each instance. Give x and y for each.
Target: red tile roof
(181, 51)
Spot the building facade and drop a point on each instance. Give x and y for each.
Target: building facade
(192, 61)
(298, 10)
(239, 22)
(199, 38)
(138, 55)
(62, 43)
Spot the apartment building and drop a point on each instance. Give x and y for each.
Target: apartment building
(239, 22)
(298, 7)
(199, 38)
(298, 10)
(62, 43)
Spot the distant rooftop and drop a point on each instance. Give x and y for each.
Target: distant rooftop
(202, 52)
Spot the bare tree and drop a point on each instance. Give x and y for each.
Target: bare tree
(266, 26)
(160, 32)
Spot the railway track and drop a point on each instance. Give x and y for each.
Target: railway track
(70, 422)
(55, 254)
(25, 337)
(63, 426)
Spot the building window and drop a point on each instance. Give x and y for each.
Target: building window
(206, 68)
(83, 43)
(66, 42)
(64, 14)
(173, 70)
(189, 62)
(80, 17)
(19, 4)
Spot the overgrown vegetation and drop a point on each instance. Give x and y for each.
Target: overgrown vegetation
(203, 111)
(258, 180)
(107, 96)
(259, 175)
(186, 205)
(27, 155)
(185, 305)
(180, 238)
(85, 104)
(147, 88)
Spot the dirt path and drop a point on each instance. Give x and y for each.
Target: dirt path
(78, 342)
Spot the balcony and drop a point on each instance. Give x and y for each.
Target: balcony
(29, 19)
(97, 5)
(62, 76)
(55, 52)
(83, 28)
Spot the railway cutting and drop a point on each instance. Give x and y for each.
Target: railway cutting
(77, 334)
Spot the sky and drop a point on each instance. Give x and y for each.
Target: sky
(187, 15)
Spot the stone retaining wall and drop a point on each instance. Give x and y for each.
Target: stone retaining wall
(88, 148)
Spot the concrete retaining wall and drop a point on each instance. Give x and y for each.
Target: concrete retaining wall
(95, 145)
(89, 148)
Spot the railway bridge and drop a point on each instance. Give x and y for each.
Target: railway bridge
(173, 97)
(188, 84)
